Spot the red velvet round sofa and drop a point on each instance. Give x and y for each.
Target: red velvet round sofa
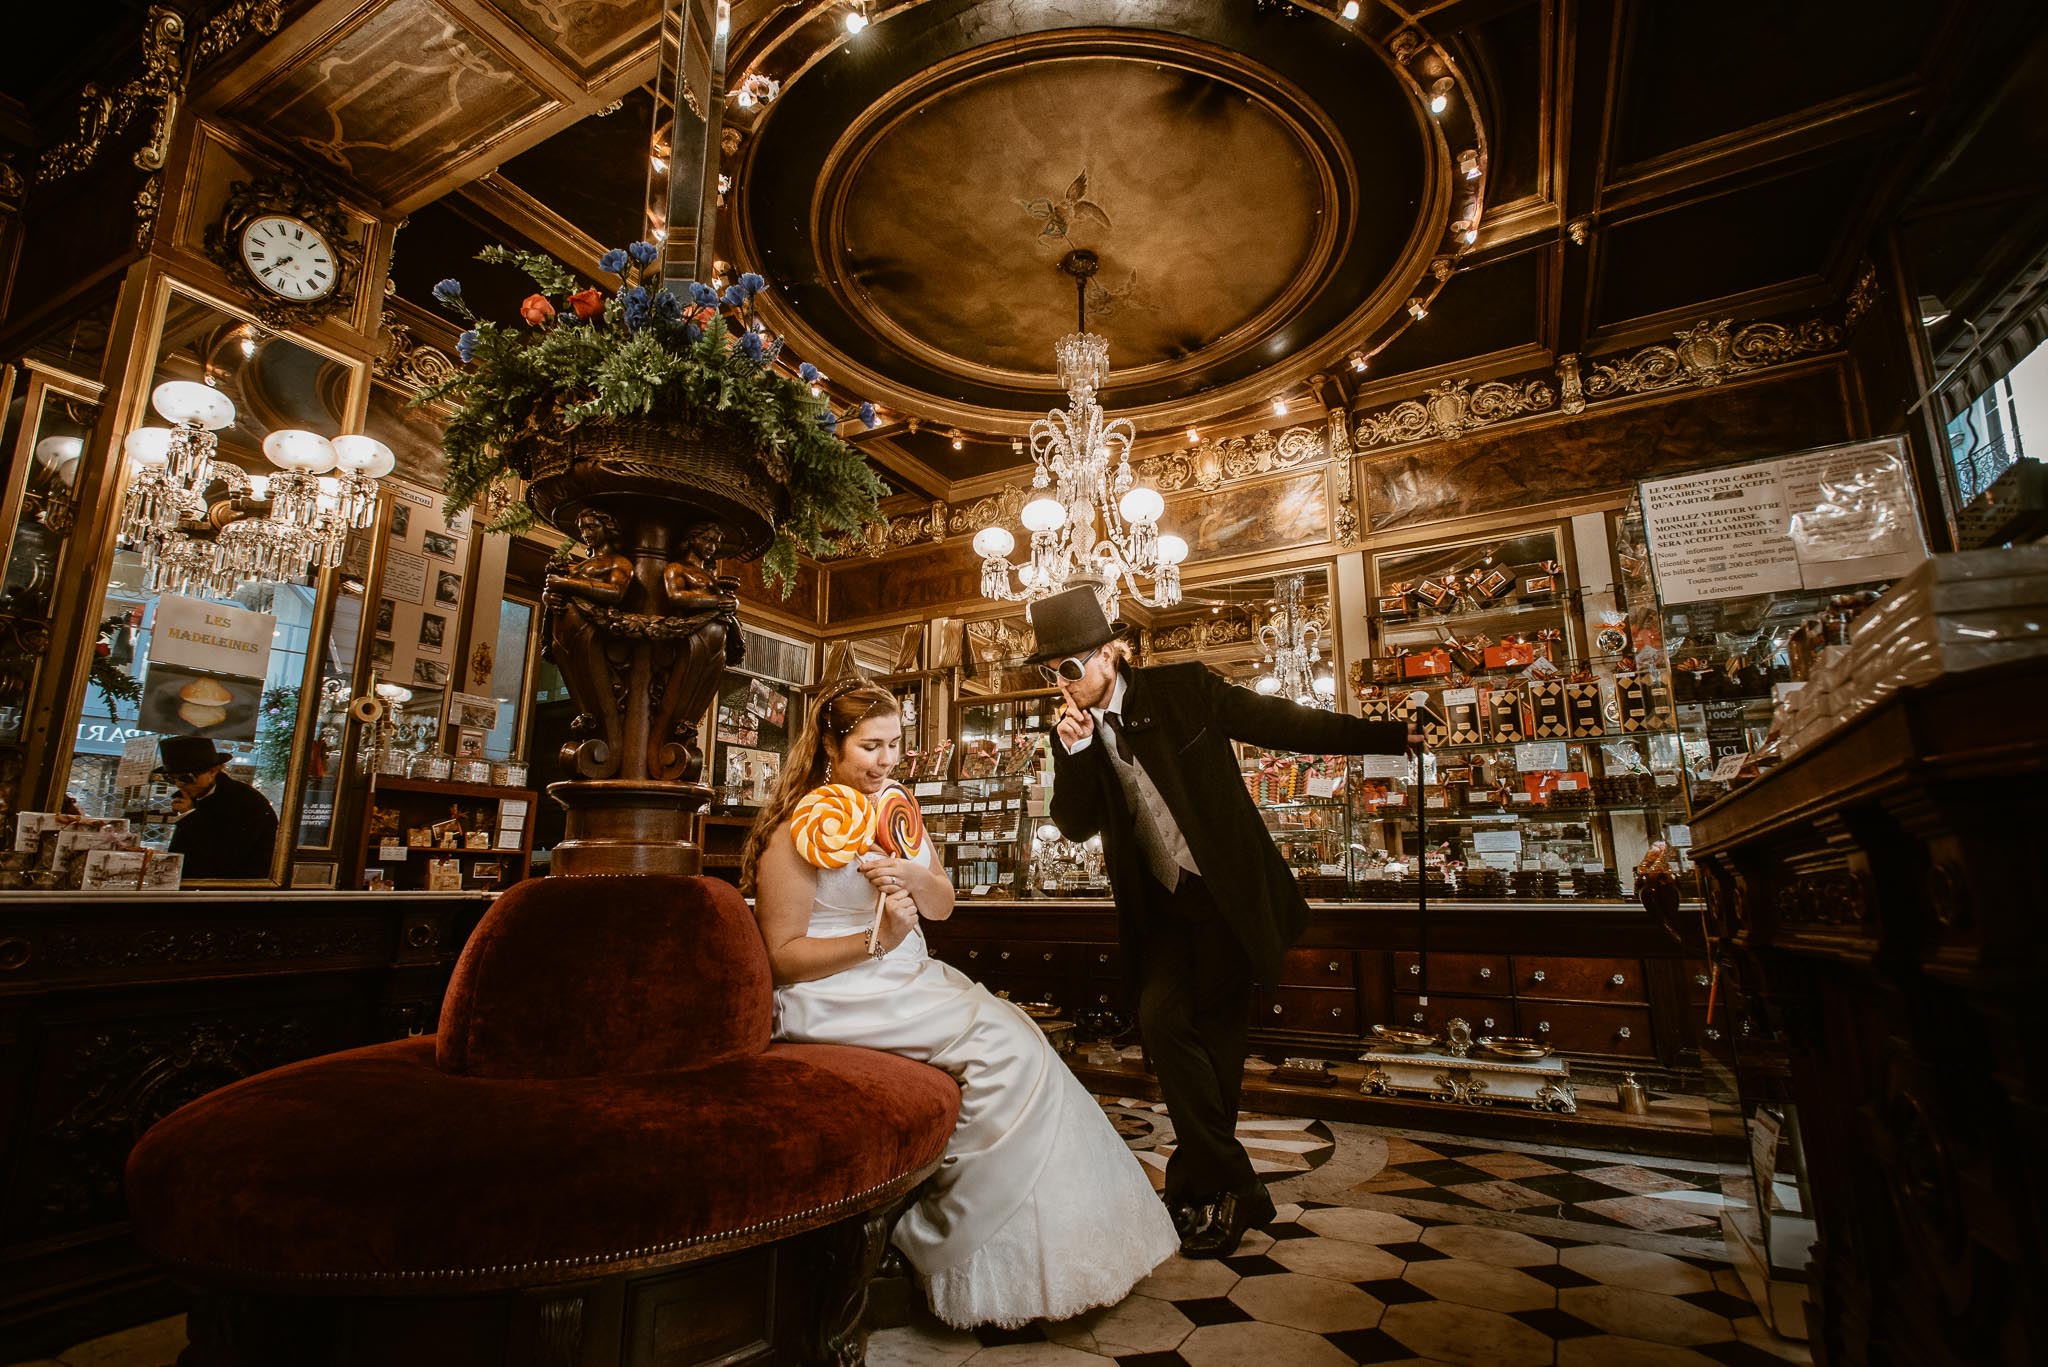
(599, 1159)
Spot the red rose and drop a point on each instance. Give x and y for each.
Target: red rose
(536, 309)
(102, 649)
(587, 304)
(701, 316)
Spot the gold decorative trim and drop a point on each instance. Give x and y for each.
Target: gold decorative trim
(1452, 409)
(1709, 352)
(1002, 506)
(1345, 491)
(1212, 464)
(1862, 295)
(1570, 385)
(405, 361)
(1204, 633)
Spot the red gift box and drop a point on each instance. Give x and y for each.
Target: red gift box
(1510, 655)
(1426, 663)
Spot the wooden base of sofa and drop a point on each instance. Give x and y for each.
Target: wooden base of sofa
(797, 1300)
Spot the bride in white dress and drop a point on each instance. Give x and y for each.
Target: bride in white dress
(1038, 1211)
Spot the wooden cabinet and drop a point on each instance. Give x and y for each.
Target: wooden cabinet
(1486, 1015)
(492, 830)
(1480, 974)
(1589, 980)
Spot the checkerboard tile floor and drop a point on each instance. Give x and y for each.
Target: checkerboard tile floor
(1402, 1247)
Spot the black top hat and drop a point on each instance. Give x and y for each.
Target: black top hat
(188, 755)
(1070, 622)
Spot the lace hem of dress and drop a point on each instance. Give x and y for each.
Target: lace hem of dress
(1011, 1281)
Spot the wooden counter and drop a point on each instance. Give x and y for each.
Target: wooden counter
(1603, 981)
(116, 1008)
(1882, 895)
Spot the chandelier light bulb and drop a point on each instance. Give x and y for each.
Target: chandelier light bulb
(1326, 685)
(1279, 408)
(1440, 95)
(856, 20)
(259, 487)
(1193, 436)
(994, 543)
(361, 455)
(1044, 515)
(54, 453)
(148, 448)
(1142, 505)
(1266, 685)
(306, 452)
(248, 346)
(192, 405)
(1350, 10)
(1172, 549)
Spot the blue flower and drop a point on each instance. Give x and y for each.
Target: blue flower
(465, 346)
(692, 333)
(752, 284)
(807, 372)
(828, 420)
(867, 416)
(750, 342)
(643, 252)
(448, 291)
(735, 297)
(613, 262)
(703, 294)
(636, 307)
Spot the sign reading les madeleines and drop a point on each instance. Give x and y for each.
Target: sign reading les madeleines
(207, 662)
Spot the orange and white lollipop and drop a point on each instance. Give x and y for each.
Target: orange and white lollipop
(899, 823)
(833, 825)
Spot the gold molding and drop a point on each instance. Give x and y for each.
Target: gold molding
(1707, 353)
(1210, 465)
(1452, 409)
(405, 362)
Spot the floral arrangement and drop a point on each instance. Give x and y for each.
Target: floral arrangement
(586, 355)
(280, 723)
(116, 685)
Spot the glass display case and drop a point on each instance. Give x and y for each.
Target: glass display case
(985, 799)
(1552, 757)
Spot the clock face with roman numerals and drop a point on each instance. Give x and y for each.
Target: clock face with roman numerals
(289, 258)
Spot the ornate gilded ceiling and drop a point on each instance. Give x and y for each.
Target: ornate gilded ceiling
(1263, 181)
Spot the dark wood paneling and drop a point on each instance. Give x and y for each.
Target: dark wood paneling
(949, 573)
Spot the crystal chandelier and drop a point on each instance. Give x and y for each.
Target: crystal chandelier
(204, 527)
(1292, 645)
(1090, 521)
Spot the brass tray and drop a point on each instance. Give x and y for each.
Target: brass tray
(1514, 1046)
(1403, 1039)
(1040, 1010)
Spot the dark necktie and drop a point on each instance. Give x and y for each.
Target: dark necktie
(1116, 734)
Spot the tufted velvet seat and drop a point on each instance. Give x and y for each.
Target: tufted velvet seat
(602, 1097)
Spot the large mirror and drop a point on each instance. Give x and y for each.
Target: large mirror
(225, 666)
(1269, 632)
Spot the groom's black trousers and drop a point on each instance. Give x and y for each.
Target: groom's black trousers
(1194, 1004)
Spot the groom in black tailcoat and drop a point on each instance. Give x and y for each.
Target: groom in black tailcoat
(1205, 904)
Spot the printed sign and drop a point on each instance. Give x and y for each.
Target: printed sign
(206, 668)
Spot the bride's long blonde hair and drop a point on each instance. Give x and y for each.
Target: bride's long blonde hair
(838, 710)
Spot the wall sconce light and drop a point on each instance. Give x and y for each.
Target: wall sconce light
(1440, 94)
(1417, 309)
(1468, 164)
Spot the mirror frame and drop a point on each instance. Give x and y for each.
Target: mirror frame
(128, 405)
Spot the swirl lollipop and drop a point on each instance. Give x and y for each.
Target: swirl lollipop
(899, 830)
(833, 825)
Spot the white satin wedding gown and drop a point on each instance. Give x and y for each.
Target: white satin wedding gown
(1039, 1211)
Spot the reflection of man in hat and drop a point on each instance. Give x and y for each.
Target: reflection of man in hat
(1204, 902)
(231, 828)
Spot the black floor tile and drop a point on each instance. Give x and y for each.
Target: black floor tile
(1415, 1252)
(1555, 1323)
(1166, 1359)
(1212, 1310)
(1314, 1205)
(1720, 1303)
(1558, 1275)
(1558, 1241)
(992, 1336)
(1289, 1231)
(1394, 1291)
(1254, 1265)
(1569, 1187)
(1736, 1353)
(1703, 1264)
(1370, 1345)
(1441, 1195)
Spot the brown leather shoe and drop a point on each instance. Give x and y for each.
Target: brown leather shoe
(1234, 1212)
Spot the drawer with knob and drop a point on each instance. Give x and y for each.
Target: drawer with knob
(1306, 1010)
(1097, 960)
(1485, 1015)
(1717, 1036)
(1479, 975)
(1033, 956)
(1578, 1028)
(1585, 980)
(1699, 980)
(972, 957)
(1320, 968)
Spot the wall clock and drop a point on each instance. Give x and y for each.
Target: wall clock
(286, 244)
